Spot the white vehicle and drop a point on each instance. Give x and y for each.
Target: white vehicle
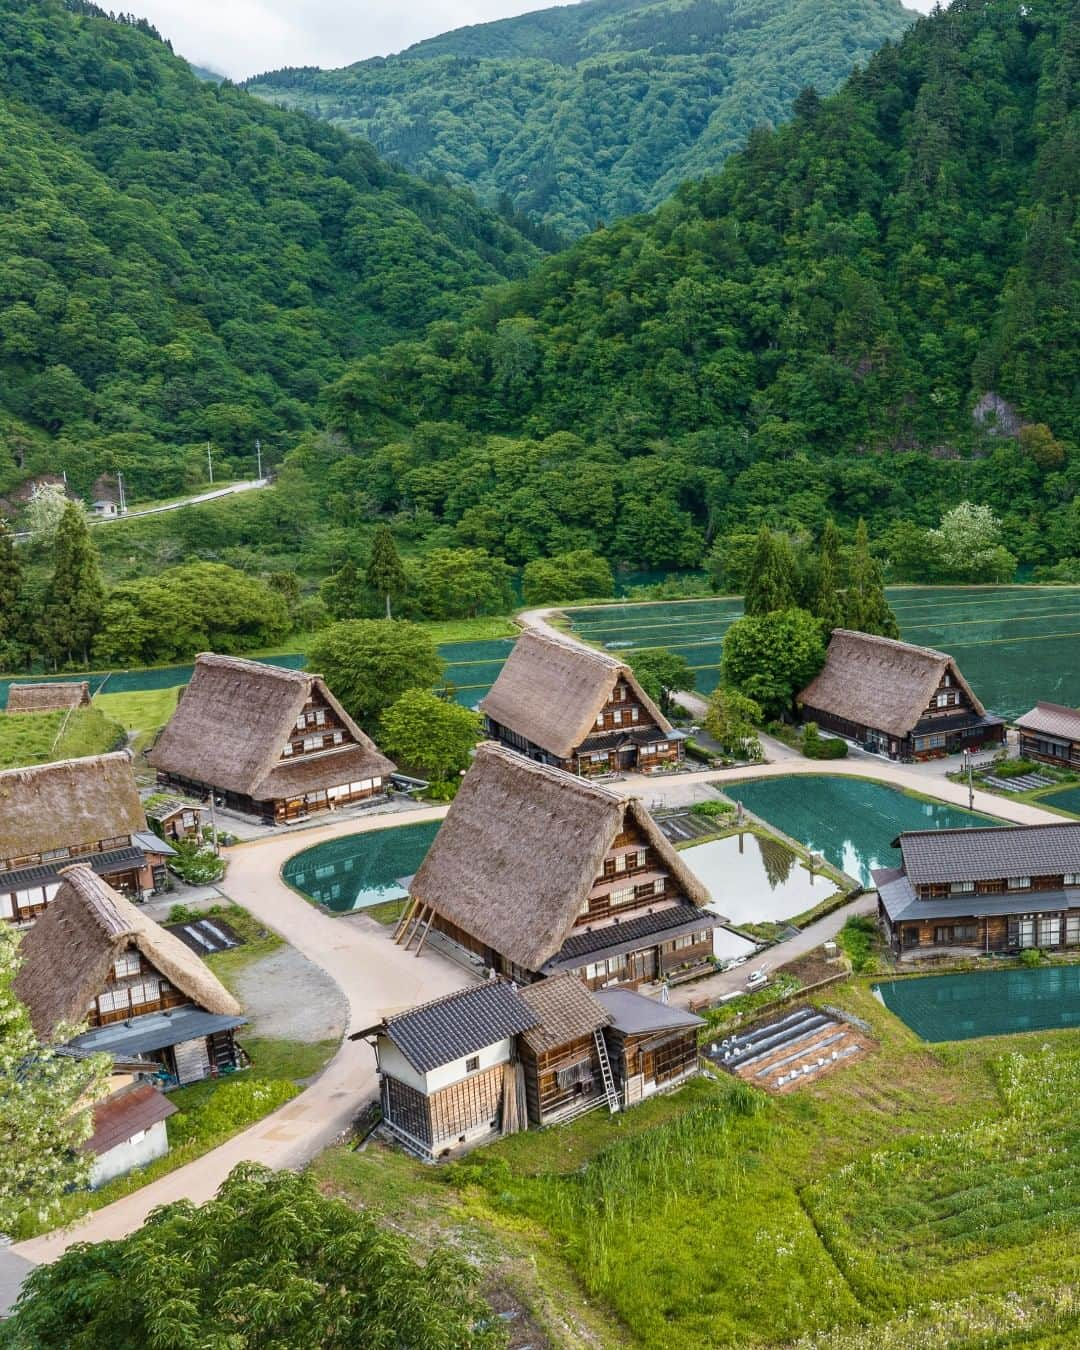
(757, 978)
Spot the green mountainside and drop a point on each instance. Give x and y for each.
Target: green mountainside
(853, 317)
(181, 262)
(597, 110)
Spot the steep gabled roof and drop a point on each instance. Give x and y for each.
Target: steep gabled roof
(520, 848)
(73, 801)
(566, 1011)
(67, 955)
(457, 1025)
(1053, 719)
(42, 696)
(879, 682)
(232, 723)
(988, 853)
(550, 691)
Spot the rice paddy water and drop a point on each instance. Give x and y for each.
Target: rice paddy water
(986, 1002)
(360, 870)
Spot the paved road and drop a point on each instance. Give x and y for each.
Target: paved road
(376, 978)
(210, 496)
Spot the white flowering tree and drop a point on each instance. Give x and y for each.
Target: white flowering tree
(48, 502)
(967, 545)
(45, 1100)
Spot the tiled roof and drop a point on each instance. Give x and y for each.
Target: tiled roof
(1054, 719)
(104, 864)
(659, 926)
(901, 902)
(988, 854)
(459, 1024)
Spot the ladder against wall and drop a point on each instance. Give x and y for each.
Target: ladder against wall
(610, 1091)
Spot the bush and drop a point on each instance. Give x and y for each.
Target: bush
(712, 809)
(858, 938)
(1014, 768)
(817, 746)
(195, 863)
(442, 791)
(1032, 956)
(698, 752)
(229, 1108)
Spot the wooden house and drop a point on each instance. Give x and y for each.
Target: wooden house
(1051, 733)
(42, 696)
(576, 708)
(653, 1046)
(992, 889)
(84, 810)
(447, 1068)
(269, 742)
(174, 818)
(536, 872)
(897, 700)
(564, 1057)
(93, 958)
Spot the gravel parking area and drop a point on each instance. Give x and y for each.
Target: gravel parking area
(289, 998)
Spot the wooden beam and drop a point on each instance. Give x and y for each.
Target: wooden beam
(403, 922)
(415, 927)
(423, 935)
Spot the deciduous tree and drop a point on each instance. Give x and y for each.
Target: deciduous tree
(662, 674)
(455, 583)
(731, 719)
(770, 657)
(967, 545)
(370, 663)
(577, 575)
(429, 734)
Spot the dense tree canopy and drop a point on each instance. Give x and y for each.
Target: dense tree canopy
(597, 110)
(181, 262)
(853, 318)
(370, 663)
(770, 658)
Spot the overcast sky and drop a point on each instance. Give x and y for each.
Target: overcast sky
(239, 38)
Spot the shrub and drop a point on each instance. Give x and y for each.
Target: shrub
(1031, 956)
(698, 752)
(817, 746)
(712, 809)
(230, 1107)
(1014, 768)
(195, 863)
(442, 791)
(858, 937)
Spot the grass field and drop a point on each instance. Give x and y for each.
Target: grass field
(917, 1189)
(141, 711)
(32, 738)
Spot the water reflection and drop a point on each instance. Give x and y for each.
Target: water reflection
(361, 870)
(755, 880)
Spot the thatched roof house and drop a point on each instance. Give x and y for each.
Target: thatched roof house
(41, 696)
(896, 698)
(46, 808)
(571, 705)
(539, 870)
(1051, 732)
(273, 741)
(69, 954)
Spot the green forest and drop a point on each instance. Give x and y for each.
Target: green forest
(180, 262)
(872, 311)
(593, 111)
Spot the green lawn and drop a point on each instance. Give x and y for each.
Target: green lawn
(142, 711)
(917, 1188)
(31, 738)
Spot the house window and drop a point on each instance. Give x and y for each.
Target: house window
(965, 932)
(1022, 933)
(1050, 931)
(1071, 879)
(634, 714)
(1072, 929)
(947, 681)
(116, 1001)
(620, 862)
(301, 722)
(472, 1064)
(623, 896)
(658, 886)
(338, 737)
(661, 746)
(128, 964)
(943, 700)
(642, 854)
(50, 855)
(616, 717)
(288, 750)
(1019, 883)
(137, 1137)
(942, 936)
(320, 717)
(600, 720)
(313, 742)
(686, 940)
(961, 887)
(7, 910)
(147, 992)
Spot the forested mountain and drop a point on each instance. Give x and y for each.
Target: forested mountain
(181, 262)
(597, 110)
(814, 330)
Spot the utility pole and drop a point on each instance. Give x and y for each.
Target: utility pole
(120, 485)
(970, 785)
(210, 462)
(258, 452)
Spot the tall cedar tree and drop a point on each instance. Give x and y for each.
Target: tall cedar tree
(827, 602)
(867, 610)
(771, 583)
(385, 574)
(10, 586)
(75, 597)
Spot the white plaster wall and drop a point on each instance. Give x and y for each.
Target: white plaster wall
(394, 1063)
(127, 1156)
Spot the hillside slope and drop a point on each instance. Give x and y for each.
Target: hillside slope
(180, 262)
(597, 110)
(811, 331)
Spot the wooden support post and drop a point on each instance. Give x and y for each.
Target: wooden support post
(403, 922)
(414, 927)
(427, 929)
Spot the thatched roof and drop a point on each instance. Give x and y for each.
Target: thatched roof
(44, 697)
(232, 723)
(566, 1009)
(550, 691)
(1052, 719)
(67, 955)
(880, 683)
(520, 849)
(74, 801)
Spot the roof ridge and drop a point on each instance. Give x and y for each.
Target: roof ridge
(573, 644)
(1006, 827)
(487, 986)
(892, 642)
(81, 761)
(255, 667)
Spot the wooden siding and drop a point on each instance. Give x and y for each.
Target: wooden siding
(440, 1121)
(559, 1080)
(990, 933)
(660, 1058)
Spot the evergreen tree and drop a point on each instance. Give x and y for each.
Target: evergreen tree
(867, 610)
(385, 574)
(11, 581)
(343, 592)
(75, 597)
(827, 604)
(771, 581)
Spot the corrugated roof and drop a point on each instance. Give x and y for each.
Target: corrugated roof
(459, 1024)
(633, 1013)
(124, 1114)
(901, 902)
(1054, 719)
(154, 1031)
(990, 853)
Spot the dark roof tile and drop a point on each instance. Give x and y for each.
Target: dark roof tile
(459, 1024)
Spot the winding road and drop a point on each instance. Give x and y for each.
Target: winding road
(377, 977)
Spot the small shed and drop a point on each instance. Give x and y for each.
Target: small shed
(562, 1057)
(653, 1045)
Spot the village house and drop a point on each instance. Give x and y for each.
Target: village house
(94, 959)
(991, 889)
(897, 700)
(128, 1126)
(565, 704)
(42, 696)
(1050, 732)
(76, 809)
(269, 742)
(174, 818)
(496, 1058)
(536, 872)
